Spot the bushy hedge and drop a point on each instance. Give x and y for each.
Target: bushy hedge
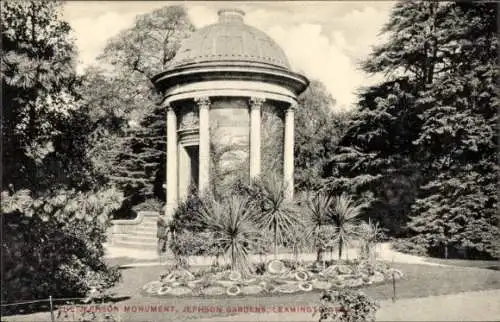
(184, 218)
(347, 305)
(405, 246)
(52, 245)
(188, 243)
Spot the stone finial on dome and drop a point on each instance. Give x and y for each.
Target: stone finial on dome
(231, 15)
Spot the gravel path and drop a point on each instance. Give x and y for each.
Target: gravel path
(384, 251)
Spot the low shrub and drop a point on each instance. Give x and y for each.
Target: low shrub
(189, 243)
(184, 218)
(53, 244)
(260, 268)
(408, 247)
(347, 305)
(149, 205)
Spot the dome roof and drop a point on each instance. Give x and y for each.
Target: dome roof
(230, 40)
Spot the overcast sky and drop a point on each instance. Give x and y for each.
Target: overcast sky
(324, 40)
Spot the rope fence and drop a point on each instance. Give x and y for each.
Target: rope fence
(51, 302)
(44, 300)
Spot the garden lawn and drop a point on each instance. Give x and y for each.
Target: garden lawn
(419, 281)
(488, 264)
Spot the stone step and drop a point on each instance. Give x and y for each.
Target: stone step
(135, 238)
(145, 230)
(148, 224)
(135, 244)
(149, 219)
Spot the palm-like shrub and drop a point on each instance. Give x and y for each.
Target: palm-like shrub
(319, 212)
(345, 219)
(232, 222)
(277, 214)
(370, 234)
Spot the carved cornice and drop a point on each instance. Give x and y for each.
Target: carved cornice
(170, 78)
(203, 102)
(256, 103)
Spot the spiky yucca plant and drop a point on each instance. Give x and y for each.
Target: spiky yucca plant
(319, 211)
(278, 215)
(232, 221)
(370, 234)
(345, 219)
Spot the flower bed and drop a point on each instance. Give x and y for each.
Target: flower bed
(278, 278)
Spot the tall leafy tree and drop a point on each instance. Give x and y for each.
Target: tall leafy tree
(54, 215)
(318, 130)
(130, 135)
(39, 99)
(456, 211)
(430, 125)
(375, 159)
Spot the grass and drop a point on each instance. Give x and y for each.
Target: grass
(419, 281)
(487, 264)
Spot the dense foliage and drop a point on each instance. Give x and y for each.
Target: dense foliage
(53, 244)
(317, 132)
(345, 305)
(54, 216)
(422, 148)
(43, 126)
(232, 221)
(276, 214)
(317, 222)
(129, 139)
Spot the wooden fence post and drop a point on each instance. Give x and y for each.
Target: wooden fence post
(393, 287)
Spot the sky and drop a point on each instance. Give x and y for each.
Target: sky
(324, 40)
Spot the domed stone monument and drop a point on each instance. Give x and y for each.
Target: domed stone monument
(230, 97)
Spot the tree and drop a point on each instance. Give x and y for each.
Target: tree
(39, 99)
(433, 122)
(457, 206)
(150, 44)
(375, 157)
(130, 132)
(318, 130)
(50, 197)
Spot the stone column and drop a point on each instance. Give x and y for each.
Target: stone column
(288, 158)
(183, 173)
(255, 157)
(204, 145)
(171, 201)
